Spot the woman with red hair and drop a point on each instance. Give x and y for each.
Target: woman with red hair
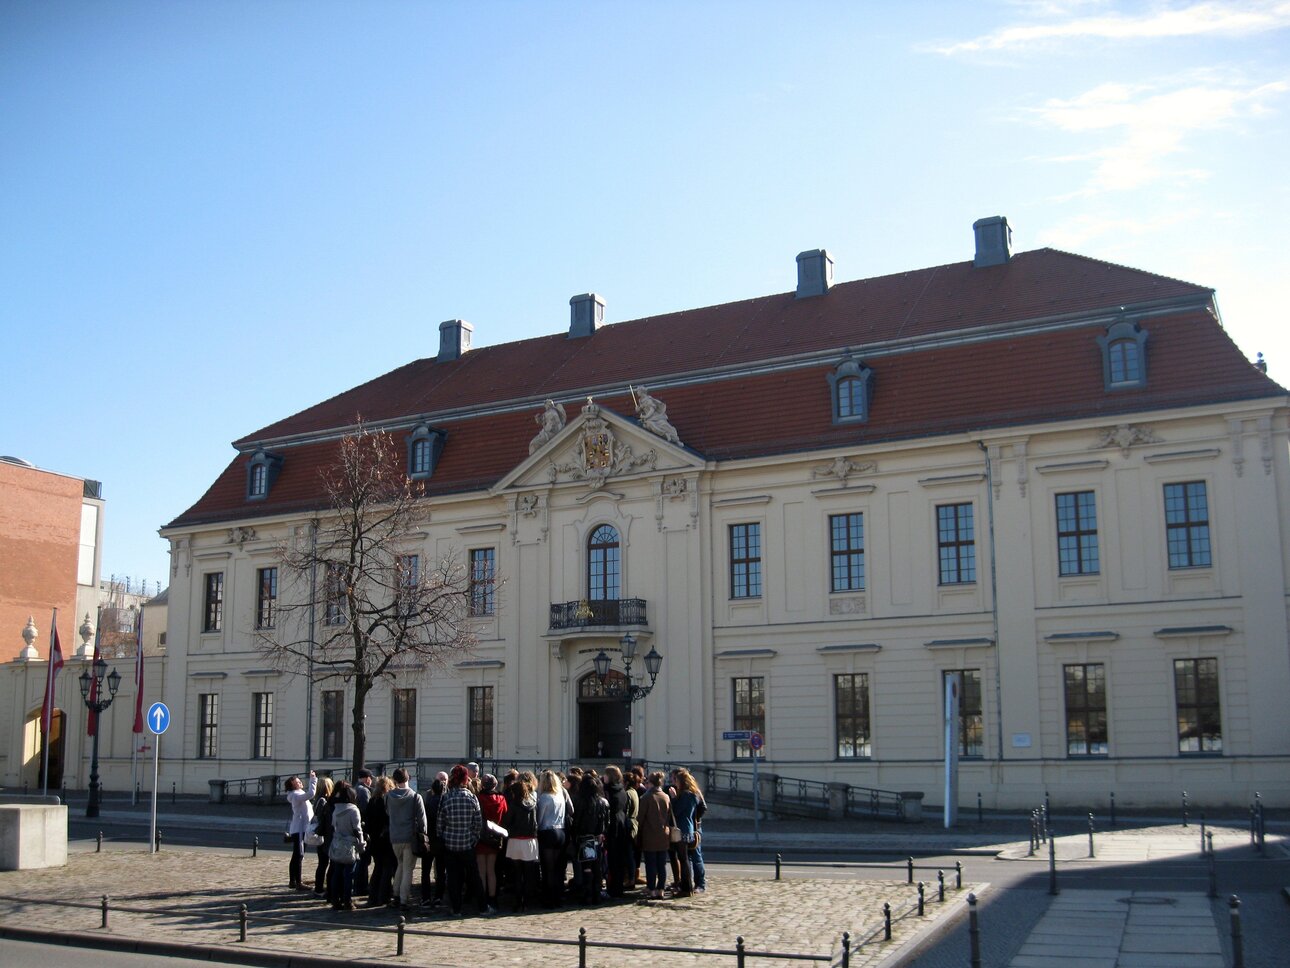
(460, 820)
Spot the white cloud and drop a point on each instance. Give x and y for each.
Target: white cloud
(1145, 125)
(1214, 18)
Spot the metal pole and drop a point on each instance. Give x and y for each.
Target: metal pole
(909, 867)
(921, 898)
(255, 846)
(778, 860)
(313, 631)
(1184, 798)
(886, 920)
(1052, 865)
(846, 949)
(756, 799)
(47, 719)
(739, 951)
(974, 933)
(241, 917)
(403, 924)
(1090, 834)
(958, 875)
(1238, 946)
(104, 907)
(1202, 831)
(582, 948)
(92, 808)
(1112, 808)
(979, 818)
(99, 849)
(154, 844)
(1213, 869)
(940, 886)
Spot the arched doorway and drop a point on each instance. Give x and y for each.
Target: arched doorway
(604, 717)
(34, 749)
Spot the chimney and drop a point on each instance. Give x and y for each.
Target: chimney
(454, 339)
(814, 273)
(586, 314)
(993, 241)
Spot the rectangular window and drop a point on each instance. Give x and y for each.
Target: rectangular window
(482, 571)
(1187, 525)
(1086, 732)
(333, 724)
(409, 567)
(403, 744)
(745, 561)
(1200, 727)
(1077, 534)
(971, 722)
(846, 542)
(334, 614)
(207, 725)
(851, 714)
(480, 701)
(266, 597)
(213, 613)
(956, 544)
(749, 710)
(262, 726)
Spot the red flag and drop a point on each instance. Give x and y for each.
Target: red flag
(55, 663)
(138, 673)
(92, 720)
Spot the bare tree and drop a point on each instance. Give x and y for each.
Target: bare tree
(358, 581)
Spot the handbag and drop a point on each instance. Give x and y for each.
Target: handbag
(312, 837)
(587, 850)
(421, 844)
(675, 834)
(492, 834)
(286, 836)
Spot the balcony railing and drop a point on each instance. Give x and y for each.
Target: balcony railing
(602, 613)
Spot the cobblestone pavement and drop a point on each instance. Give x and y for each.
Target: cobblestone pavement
(195, 894)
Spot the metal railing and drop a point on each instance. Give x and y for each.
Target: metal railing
(609, 612)
(873, 803)
(808, 793)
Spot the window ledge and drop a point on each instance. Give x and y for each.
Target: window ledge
(862, 647)
(981, 643)
(1101, 636)
(1183, 631)
(1208, 452)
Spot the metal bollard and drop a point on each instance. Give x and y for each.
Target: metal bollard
(1052, 865)
(979, 817)
(886, 920)
(958, 875)
(974, 933)
(1043, 825)
(241, 922)
(25, 791)
(778, 861)
(104, 906)
(1184, 808)
(1262, 827)
(582, 948)
(172, 792)
(1253, 839)
(99, 847)
(1202, 831)
(940, 886)
(1034, 835)
(1213, 869)
(403, 924)
(157, 840)
(1048, 807)
(1090, 834)
(909, 867)
(255, 846)
(846, 949)
(1112, 808)
(921, 899)
(739, 951)
(1238, 946)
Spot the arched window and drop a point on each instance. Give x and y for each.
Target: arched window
(850, 385)
(604, 569)
(1124, 355)
(424, 447)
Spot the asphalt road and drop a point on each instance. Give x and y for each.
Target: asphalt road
(27, 954)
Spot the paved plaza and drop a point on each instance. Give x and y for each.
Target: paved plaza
(195, 895)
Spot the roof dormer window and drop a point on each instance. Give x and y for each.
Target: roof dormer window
(424, 447)
(1124, 355)
(261, 472)
(851, 386)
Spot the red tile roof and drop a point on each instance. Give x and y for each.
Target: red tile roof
(1011, 379)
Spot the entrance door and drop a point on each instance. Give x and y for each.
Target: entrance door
(604, 717)
(34, 749)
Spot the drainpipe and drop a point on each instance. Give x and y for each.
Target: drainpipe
(313, 599)
(994, 602)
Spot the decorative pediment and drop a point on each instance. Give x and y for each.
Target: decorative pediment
(1125, 436)
(592, 448)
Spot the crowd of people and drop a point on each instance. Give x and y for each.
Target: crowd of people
(577, 837)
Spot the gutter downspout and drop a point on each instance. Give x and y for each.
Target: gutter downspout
(994, 602)
(313, 600)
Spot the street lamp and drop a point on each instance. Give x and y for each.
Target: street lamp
(631, 692)
(95, 706)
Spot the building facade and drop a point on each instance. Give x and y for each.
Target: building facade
(1050, 482)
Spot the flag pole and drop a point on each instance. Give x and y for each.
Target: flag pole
(134, 737)
(49, 700)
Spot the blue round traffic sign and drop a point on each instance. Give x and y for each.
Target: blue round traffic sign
(756, 741)
(158, 717)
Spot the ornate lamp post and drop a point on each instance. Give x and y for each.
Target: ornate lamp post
(96, 706)
(631, 692)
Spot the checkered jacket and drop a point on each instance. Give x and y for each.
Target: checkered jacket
(460, 819)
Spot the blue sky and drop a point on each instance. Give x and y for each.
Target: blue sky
(216, 214)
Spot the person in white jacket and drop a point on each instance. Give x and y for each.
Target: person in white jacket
(299, 795)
